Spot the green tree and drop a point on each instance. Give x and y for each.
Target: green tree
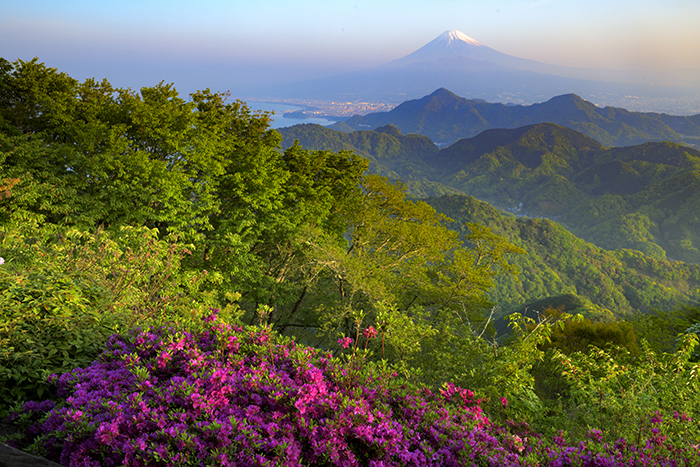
(308, 234)
(399, 255)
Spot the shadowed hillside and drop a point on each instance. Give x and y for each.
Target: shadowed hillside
(642, 197)
(446, 117)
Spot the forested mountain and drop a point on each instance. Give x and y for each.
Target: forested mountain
(643, 197)
(390, 153)
(311, 234)
(445, 118)
(555, 263)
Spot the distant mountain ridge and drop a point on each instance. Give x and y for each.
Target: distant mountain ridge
(445, 117)
(460, 48)
(645, 197)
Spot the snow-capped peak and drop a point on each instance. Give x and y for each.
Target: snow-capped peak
(449, 45)
(450, 36)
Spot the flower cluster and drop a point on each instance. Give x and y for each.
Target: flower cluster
(220, 397)
(245, 397)
(345, 342)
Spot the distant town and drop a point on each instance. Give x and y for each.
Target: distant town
(338, 110)
(331, 109)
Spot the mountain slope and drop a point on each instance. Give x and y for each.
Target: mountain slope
(644, 197)
(556, 263)
(446, 117)
(390, 153)
(661, 220)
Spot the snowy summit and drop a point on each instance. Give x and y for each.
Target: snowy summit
(449, 45)
(450, 36)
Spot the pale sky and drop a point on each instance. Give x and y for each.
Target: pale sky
(237, 44)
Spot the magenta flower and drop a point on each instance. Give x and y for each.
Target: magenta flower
(212, 317)
(217, 397)
(370, 332)
(345, 342)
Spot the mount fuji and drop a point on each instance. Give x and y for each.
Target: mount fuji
(455, 45)
(473, 70)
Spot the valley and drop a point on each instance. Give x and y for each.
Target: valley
(632, 211)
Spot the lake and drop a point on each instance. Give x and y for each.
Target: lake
(278, 121)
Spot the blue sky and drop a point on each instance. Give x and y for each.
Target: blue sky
(238, 44)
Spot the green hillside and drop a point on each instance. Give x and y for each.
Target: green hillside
(390, 153)
(599, 283)
(642, 197)
(201, 294)
(662, 220)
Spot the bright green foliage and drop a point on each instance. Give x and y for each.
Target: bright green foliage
(261, 244)
(400, 253)
(31, 189)
(119, 209)
(90, 155)
(50, 323)
(114, 156)
(306, 233)
(462, 352)
(617, 394)
(62, 293)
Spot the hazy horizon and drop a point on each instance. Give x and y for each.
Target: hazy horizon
(238, 47)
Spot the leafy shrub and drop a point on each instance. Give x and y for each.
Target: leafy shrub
(63, 293)
(624, 397)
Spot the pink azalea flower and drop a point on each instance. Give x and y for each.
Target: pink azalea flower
(345, 342)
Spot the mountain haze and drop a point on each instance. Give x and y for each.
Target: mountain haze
(458, 62)
(445, 117)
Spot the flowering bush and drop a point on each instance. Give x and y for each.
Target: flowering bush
(225, 395)
(230, 396)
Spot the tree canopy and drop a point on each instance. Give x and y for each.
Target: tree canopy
(310, 234)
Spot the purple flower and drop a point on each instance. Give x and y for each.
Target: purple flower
(170, 396)
(212, 316)
(595, 435)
